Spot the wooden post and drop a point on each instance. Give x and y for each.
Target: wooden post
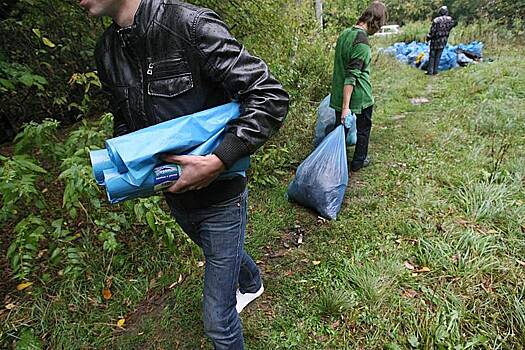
(319, 12)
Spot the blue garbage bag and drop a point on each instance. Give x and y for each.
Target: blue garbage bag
(321, 179)
(162, 176)
(326, 123)
(409, 54)
(137, 153)
(100, 161)
(130, 166)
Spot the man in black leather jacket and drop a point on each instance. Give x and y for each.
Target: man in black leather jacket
(162, 59)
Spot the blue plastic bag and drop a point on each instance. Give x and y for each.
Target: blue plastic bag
(162, 176)
(137, 153)
(130, 167)
(321, 179)
(326, 122)
(409, 53)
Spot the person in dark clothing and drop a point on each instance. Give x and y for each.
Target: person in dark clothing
(438, 37)
(163, 59)
(351, 85)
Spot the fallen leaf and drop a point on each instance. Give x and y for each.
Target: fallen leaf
(10, 306)
(522, 263)
(24, 285)
(409, 266)
(410, 293)
(423, 270)
(121, 322)
(316, 262)
(175, 283)
(106, 293)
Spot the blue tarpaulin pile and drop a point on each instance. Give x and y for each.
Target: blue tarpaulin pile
(416, 54)
(130, 165)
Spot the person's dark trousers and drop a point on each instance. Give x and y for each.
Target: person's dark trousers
(219, 230)
(364, 126)
(433, 61)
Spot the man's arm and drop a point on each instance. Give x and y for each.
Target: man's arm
(347, 96)
(359, 54)
(246, 79)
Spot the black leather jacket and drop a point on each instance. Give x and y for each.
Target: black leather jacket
(177, 59)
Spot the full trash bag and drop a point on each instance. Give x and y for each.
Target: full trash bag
(130, 166)
(321, 179)
(326, 123)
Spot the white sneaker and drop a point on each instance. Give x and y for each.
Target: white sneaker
(243, 299)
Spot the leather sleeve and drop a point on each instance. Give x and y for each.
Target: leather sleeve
(247, 79)
(119, 123)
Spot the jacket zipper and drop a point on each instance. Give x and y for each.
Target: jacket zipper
(151, 65)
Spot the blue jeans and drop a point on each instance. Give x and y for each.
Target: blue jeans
(220, 230)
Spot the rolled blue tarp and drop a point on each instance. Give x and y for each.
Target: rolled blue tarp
(137, 153)
(130, 166)
(119, 188)
(100, 161)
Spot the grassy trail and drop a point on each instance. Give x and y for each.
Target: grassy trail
(427, 251)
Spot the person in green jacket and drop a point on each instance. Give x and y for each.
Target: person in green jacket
(351, 87)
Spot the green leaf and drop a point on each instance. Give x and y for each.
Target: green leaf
(7, 84)
(413, 341)
(37, 32)
(55, 254)
(150, 219)
(48, 42)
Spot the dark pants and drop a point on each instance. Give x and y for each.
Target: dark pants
(433, 61)
(219, 230)
(364, 126)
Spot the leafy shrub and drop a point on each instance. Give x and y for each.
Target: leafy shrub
(39, 136)
(18, 184)
(23, 250)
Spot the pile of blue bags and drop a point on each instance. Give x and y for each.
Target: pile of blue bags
(130, 165)
(416, 54)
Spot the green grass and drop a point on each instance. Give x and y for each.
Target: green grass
(445, 192)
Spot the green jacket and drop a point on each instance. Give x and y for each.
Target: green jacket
(352, 67)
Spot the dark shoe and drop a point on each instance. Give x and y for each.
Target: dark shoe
(356, 167)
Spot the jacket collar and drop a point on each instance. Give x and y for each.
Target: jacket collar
(145, 14)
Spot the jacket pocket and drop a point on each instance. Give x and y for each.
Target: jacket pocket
(170, 87)
(168, 77)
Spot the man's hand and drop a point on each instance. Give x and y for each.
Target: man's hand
(344, 113)
(197, 171)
